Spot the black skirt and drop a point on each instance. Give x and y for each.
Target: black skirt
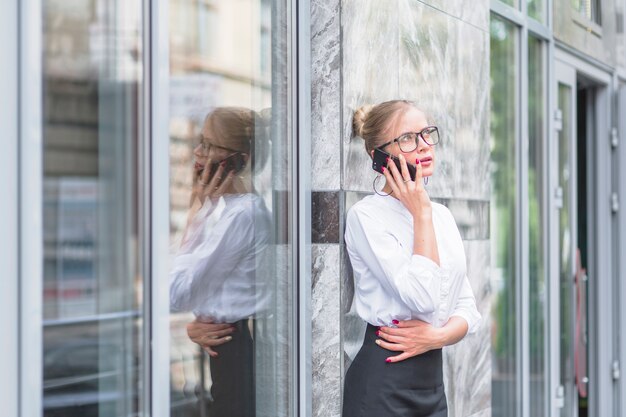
(409, 388)
(232, 373)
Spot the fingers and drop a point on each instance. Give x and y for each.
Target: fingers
(210, 351)
(216, 178)
(196, 327)
(392, 331)
(206, 172)
(418, 171)
(406, 176)
(397, 347)
(408, 323)
(199, 332)
(212, 342)
(396, 175)
(220, 333)
(392, 338)
(391, 181)
(399, 357)
(225, 184)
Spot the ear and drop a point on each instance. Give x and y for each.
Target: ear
(372, 154)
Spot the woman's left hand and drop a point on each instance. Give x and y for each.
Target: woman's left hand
(411, 337)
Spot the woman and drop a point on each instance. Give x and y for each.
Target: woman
(215, 271)
(409, 270)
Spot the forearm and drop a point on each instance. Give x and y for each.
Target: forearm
(424, 239)
(453, 332)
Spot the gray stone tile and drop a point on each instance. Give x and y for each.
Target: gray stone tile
(473, 12)
(444, 68)
(325, 94)
(369, 76)
(471, 216)
(325, 217)
(467, 365)
(326, 320)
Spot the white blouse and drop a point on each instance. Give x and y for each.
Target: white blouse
(393, 283)
(218, 271)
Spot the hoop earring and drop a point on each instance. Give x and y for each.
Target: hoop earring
(374, 186)
(425, 179)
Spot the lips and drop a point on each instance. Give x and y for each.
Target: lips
(426, 161)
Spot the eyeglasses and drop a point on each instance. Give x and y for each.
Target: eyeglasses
(408, 141)
(206, 147)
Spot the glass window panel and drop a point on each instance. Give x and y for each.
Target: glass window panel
(92, 362)
(536, 9)
(537, 227)
(513, 3)
(503, 208)
(588, 8)
(231, 260)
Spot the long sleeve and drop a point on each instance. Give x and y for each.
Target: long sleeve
(466, 307)
(207, 260)
(414, 279)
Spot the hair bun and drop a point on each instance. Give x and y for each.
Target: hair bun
(359, 118)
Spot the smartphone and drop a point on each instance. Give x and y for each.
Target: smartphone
(234, 162)
(380, 160)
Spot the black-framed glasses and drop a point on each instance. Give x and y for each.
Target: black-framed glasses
(206, 147)
(408, 141)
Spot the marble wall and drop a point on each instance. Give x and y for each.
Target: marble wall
(435, 52)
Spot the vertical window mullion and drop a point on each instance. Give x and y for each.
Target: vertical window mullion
(30, 202)
(523, 222)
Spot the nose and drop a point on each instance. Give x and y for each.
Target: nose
(422, 145)
(198, 151)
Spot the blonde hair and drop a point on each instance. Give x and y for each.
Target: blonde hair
(372, 122)
(241, 129)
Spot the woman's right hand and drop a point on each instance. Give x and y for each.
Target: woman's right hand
(212, 187)
(208, 334)
(411, 193)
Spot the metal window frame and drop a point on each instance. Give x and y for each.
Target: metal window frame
(301, 171)
(157, 223)
(30, 199)
(528, 26)
(156, 210)
(621, 216)
(601, 313)
(567, 76)
(9, 210)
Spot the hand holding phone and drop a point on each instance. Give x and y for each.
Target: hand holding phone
(381, 159)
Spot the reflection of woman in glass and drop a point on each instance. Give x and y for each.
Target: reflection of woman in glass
(409, 271)
(214, 271)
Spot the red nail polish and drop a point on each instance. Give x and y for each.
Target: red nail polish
(417, 161)
(383, 170)
(388, 360)
(395, 321)
(377, 332)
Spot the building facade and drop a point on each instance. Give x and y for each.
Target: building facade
(115, 113)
